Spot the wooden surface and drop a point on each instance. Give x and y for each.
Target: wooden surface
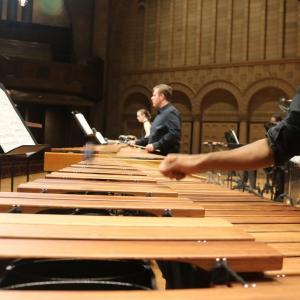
(158, 206)
(123, 232)
(6, 218)
(91, 165)
(275, 291)
(241, 256)
(212, 238)
(64, 186)
(108, 161)
(53, 196)
(109, 148)
(56, 161)
(253, 213)
(253, 234)
(64, 157)
(101, 177)
(103, 170)
(33, 124)
(263, 220)
(269, 227)
(130, 152)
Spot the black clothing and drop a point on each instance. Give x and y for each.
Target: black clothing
(284, 138)
(165, 131)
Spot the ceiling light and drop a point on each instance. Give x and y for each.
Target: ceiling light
(23, 2)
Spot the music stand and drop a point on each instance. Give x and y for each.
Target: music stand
(231, 139)
(15, 137)
(233, 143)
(90, 133)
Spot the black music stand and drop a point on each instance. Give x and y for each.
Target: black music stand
(234, 143)
(15, 137)
(91, 134)
(26, 151)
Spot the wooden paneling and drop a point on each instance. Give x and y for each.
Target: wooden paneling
(151, 22)
(239, 41)
(45, 77)
(165, 34)
(274, 29)
(257, 14)
(290, 26)
(208, 30)
(256, 132)
(223, 31)
(215, 132)
(186, 137)
(179, 33)
(192, 31)
(54, 162)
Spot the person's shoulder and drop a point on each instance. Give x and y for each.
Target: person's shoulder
(295, 104)
(174, 110)
(171, 107)
(147, 123)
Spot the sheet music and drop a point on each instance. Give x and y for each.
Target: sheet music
(13, 132)
(296, 160)
(100, 138)
(84, 124)
(235, 137)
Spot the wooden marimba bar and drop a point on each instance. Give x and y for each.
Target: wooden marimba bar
(114, 205)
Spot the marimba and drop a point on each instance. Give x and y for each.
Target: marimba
(195, 240)
(118, 205)
(253, 234)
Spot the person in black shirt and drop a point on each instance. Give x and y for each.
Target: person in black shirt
(275, 173)
(280, 145)
(165, 130)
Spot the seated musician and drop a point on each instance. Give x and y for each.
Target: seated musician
(281, 144)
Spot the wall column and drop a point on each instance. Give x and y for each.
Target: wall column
(27, 12)
(12, 10)
(1, 8)
(196, 134)
(243, 132)
(81, 14)
(298, 32)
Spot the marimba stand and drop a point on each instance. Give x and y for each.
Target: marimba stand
(25, 151)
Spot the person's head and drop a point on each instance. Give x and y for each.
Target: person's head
(275, 119)
(161, 96)
(143, 115)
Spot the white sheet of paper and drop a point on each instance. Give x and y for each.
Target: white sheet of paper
(295, 160)
(235, 137)
(100, 138)
(13, 132)
(84, 124)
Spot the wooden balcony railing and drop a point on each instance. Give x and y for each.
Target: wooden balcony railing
(43, 76)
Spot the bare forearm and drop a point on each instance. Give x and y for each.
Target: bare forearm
(249, 157)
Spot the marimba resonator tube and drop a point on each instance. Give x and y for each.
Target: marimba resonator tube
(78, 275)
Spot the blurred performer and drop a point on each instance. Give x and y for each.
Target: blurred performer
(281, 144)
(166, 128)
(274, 120)
(144, 116)
(276, 172)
